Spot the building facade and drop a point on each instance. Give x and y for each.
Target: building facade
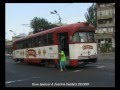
(8, 47)
(105, 33)
(9, 44)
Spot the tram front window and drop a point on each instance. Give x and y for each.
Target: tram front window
(83, 37)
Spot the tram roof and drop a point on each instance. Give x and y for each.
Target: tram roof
(57, 30)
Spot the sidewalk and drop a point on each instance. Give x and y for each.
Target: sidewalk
(102, 56)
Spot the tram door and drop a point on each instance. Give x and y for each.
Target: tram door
(63, 42)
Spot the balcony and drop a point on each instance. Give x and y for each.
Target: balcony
(106, 25)
(105, 16)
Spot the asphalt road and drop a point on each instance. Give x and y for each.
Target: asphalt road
(100, 74)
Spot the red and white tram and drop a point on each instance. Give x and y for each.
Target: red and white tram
(77, 40)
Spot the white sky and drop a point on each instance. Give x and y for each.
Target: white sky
(17, 14)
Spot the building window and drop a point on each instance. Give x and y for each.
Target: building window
(104, 30)
(109, 40)
(99, 40)
(102, 5)
(102, 21)
(100, 31)
(107, 12)
(114, 10)
(110, 29)
(110, 12)
(110, 20)
(108, 4)
(100, 13)
(103, 12)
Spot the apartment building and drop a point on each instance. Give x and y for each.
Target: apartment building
(105, 33)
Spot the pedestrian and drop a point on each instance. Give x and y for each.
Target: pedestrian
(62, 60)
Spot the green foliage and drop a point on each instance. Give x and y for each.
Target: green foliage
(103, 48)
(40, 24)
(91, 15)
(107, 47)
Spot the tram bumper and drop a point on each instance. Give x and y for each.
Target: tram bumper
(91, 58)
(83, 60)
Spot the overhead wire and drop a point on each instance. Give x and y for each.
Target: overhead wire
(64, 6)
(60, 9)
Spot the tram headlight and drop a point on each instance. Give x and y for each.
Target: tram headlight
(89, 52)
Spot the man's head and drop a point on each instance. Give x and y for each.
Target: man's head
(62, 52)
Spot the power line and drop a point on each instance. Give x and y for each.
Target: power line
(64, 6)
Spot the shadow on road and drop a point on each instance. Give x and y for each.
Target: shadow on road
(43, 66)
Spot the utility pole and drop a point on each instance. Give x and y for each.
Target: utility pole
(13, 37)
(55, 12)
(28, 25)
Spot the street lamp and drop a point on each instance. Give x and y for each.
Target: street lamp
(13, 32)
(13, 37)
(55, 12)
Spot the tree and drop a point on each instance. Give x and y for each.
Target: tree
(91, 15)
(40, 24)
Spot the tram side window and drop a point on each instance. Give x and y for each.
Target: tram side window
(34, 42)
(39, 41)
(30, 43)
(17, 45)
(14, 46)
(50, 39)
(21, 45)
(26, 43)
(44, 40)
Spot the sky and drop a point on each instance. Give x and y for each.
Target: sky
(19, 15)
